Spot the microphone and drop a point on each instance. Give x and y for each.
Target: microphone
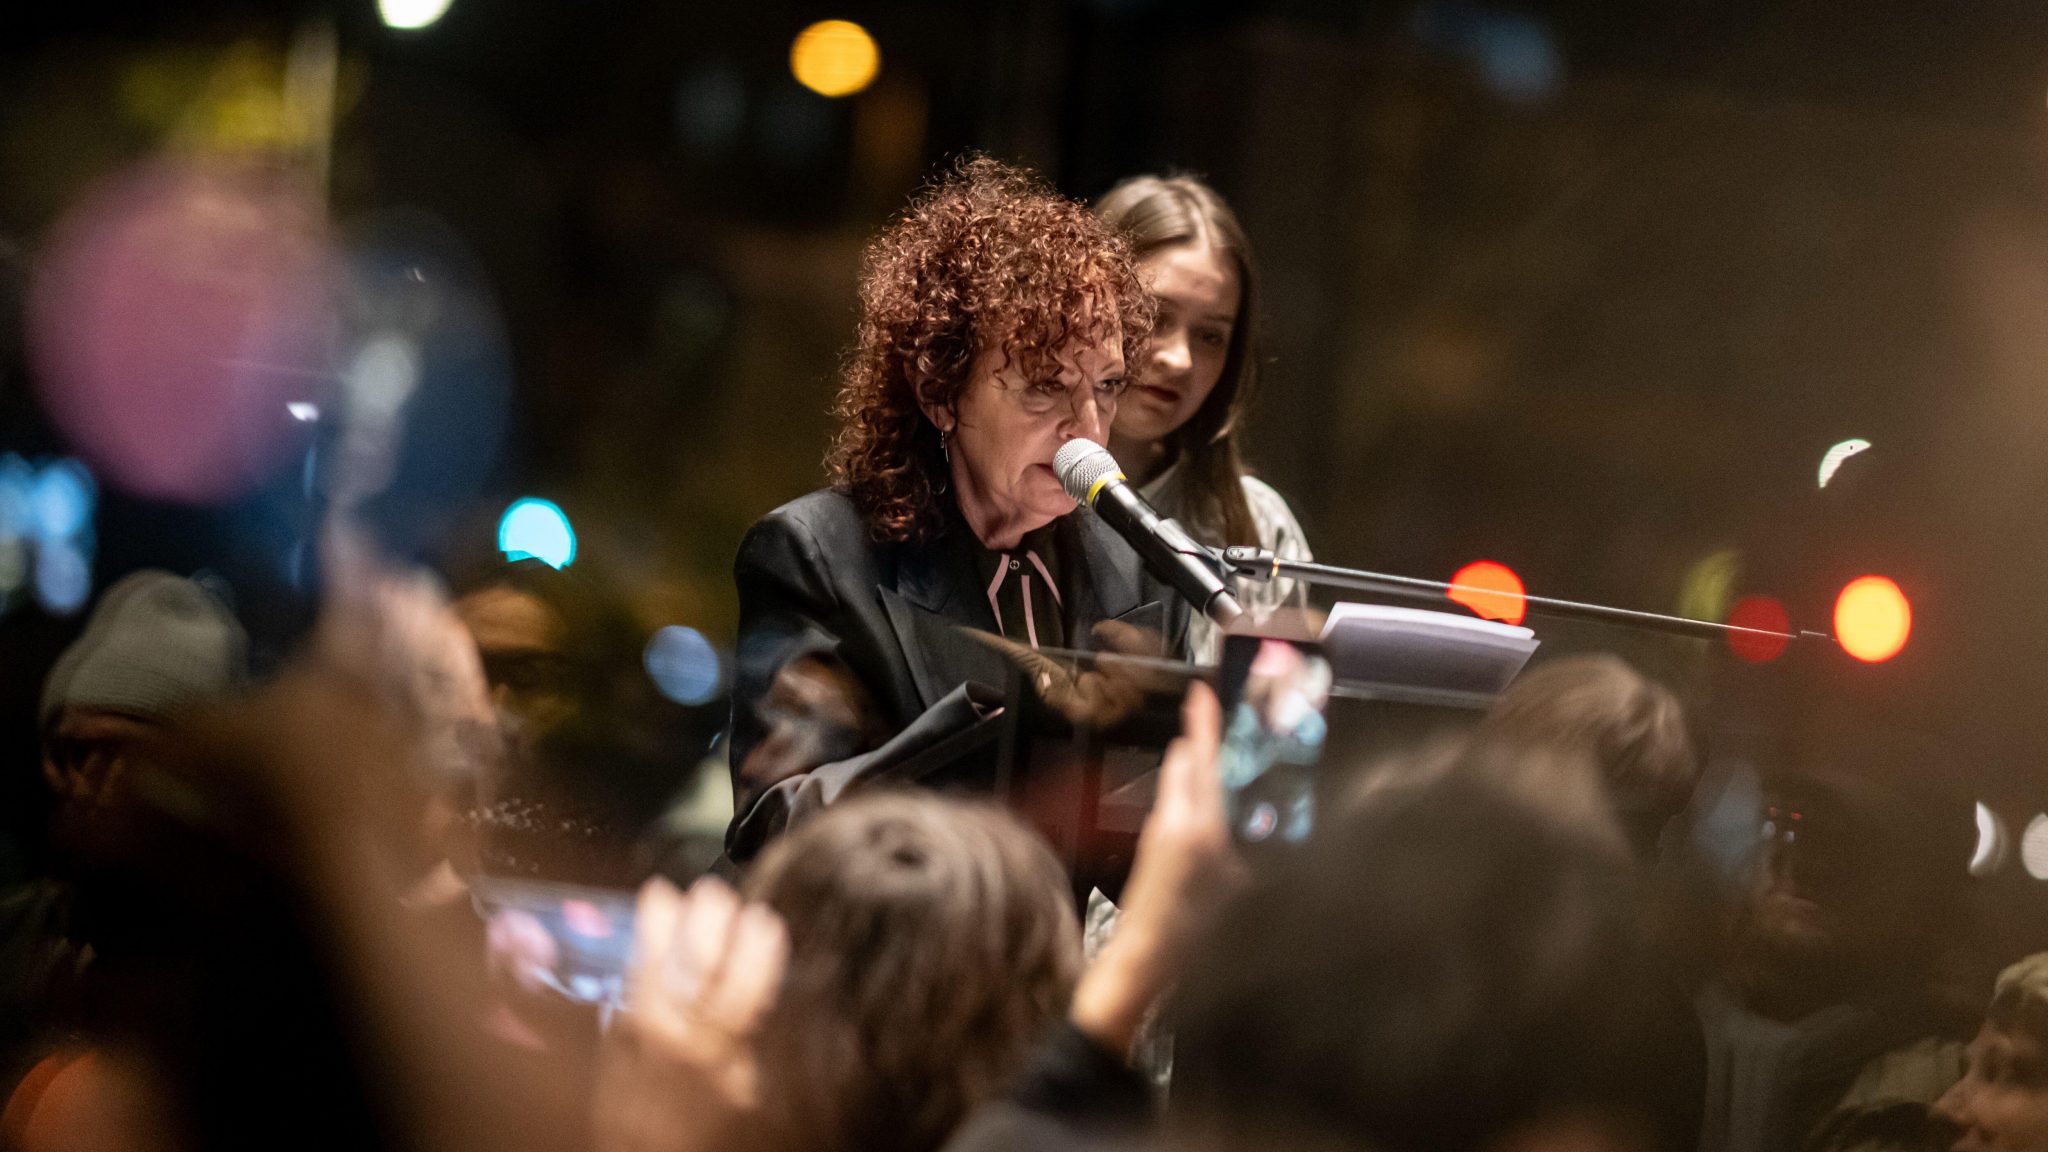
(1090, 475)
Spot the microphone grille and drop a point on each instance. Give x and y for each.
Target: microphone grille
(1082, 464)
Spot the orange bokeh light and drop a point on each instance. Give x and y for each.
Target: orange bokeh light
(834, 58)
(1872, 619)
(1490, 590)
(1762, 612)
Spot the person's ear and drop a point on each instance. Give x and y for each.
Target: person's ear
(942, 416)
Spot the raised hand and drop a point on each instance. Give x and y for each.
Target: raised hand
(680, 1072)
(1184, 870)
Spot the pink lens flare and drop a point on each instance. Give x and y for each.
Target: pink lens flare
(175, 313)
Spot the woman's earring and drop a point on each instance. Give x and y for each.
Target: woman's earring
(943, 450)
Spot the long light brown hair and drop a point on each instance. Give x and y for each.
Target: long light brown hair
(1158, 212)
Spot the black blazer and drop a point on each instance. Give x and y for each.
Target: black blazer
(878, 626)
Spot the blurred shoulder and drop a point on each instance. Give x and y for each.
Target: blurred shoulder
(804, 532)
(824, 515)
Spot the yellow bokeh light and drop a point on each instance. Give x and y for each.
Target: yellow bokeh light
(834, 58)
(1872, 619)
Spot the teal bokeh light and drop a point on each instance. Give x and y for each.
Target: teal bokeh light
(539, 529)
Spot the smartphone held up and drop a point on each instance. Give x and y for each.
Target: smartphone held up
(1274, 693)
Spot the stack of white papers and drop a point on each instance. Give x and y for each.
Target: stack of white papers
(1417, 648)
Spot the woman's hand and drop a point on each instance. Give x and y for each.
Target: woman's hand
(680, 1072)
(1184, 870)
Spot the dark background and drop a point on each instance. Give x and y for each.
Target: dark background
(1584, 288)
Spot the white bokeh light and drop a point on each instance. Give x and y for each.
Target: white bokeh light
(1831, 462)
(1993, 842)
(2034, 847)
(411, 14)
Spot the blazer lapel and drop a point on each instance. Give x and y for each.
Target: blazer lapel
(1105, 581)
(934, 597)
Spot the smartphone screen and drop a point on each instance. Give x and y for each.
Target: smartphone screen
(572, 938)
(1273, 694)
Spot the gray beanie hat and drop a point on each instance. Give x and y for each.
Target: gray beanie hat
(156, 644)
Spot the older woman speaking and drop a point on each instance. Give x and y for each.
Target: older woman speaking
(997, 321)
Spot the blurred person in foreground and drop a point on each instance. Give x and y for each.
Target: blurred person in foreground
(998, 321)
(1176, 433)
(1624, 739)
(930, 944)
(156, 646)
(1447, 967)
(1629, 728)
(1832, 983)
(592, 752)
(2001, 1102)
(931, 955)
(263, 981)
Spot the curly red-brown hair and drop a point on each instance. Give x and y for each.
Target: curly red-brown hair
(987, 257)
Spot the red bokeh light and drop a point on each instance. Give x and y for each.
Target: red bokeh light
(1490, 590)
(1761, 612)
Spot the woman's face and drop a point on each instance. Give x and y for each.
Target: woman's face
(2001, 1103)
(1009, 427)
(1198, 292)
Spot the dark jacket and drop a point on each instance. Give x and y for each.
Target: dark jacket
(1074, 1096)
(851, 657)
(1770, 1084)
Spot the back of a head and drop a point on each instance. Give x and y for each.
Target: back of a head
(932, 943)
(1631, 727)
(1558, 781)
(1438, 971)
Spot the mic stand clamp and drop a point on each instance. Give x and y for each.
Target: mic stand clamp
(1223, 608)
(1258, 565)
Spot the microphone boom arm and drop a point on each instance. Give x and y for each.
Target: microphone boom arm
(1261, 565)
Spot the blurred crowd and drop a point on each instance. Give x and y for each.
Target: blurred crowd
(290, 911)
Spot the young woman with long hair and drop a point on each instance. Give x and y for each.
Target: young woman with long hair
(1176, 431)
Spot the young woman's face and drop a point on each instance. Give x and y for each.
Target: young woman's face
(1198, 292)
